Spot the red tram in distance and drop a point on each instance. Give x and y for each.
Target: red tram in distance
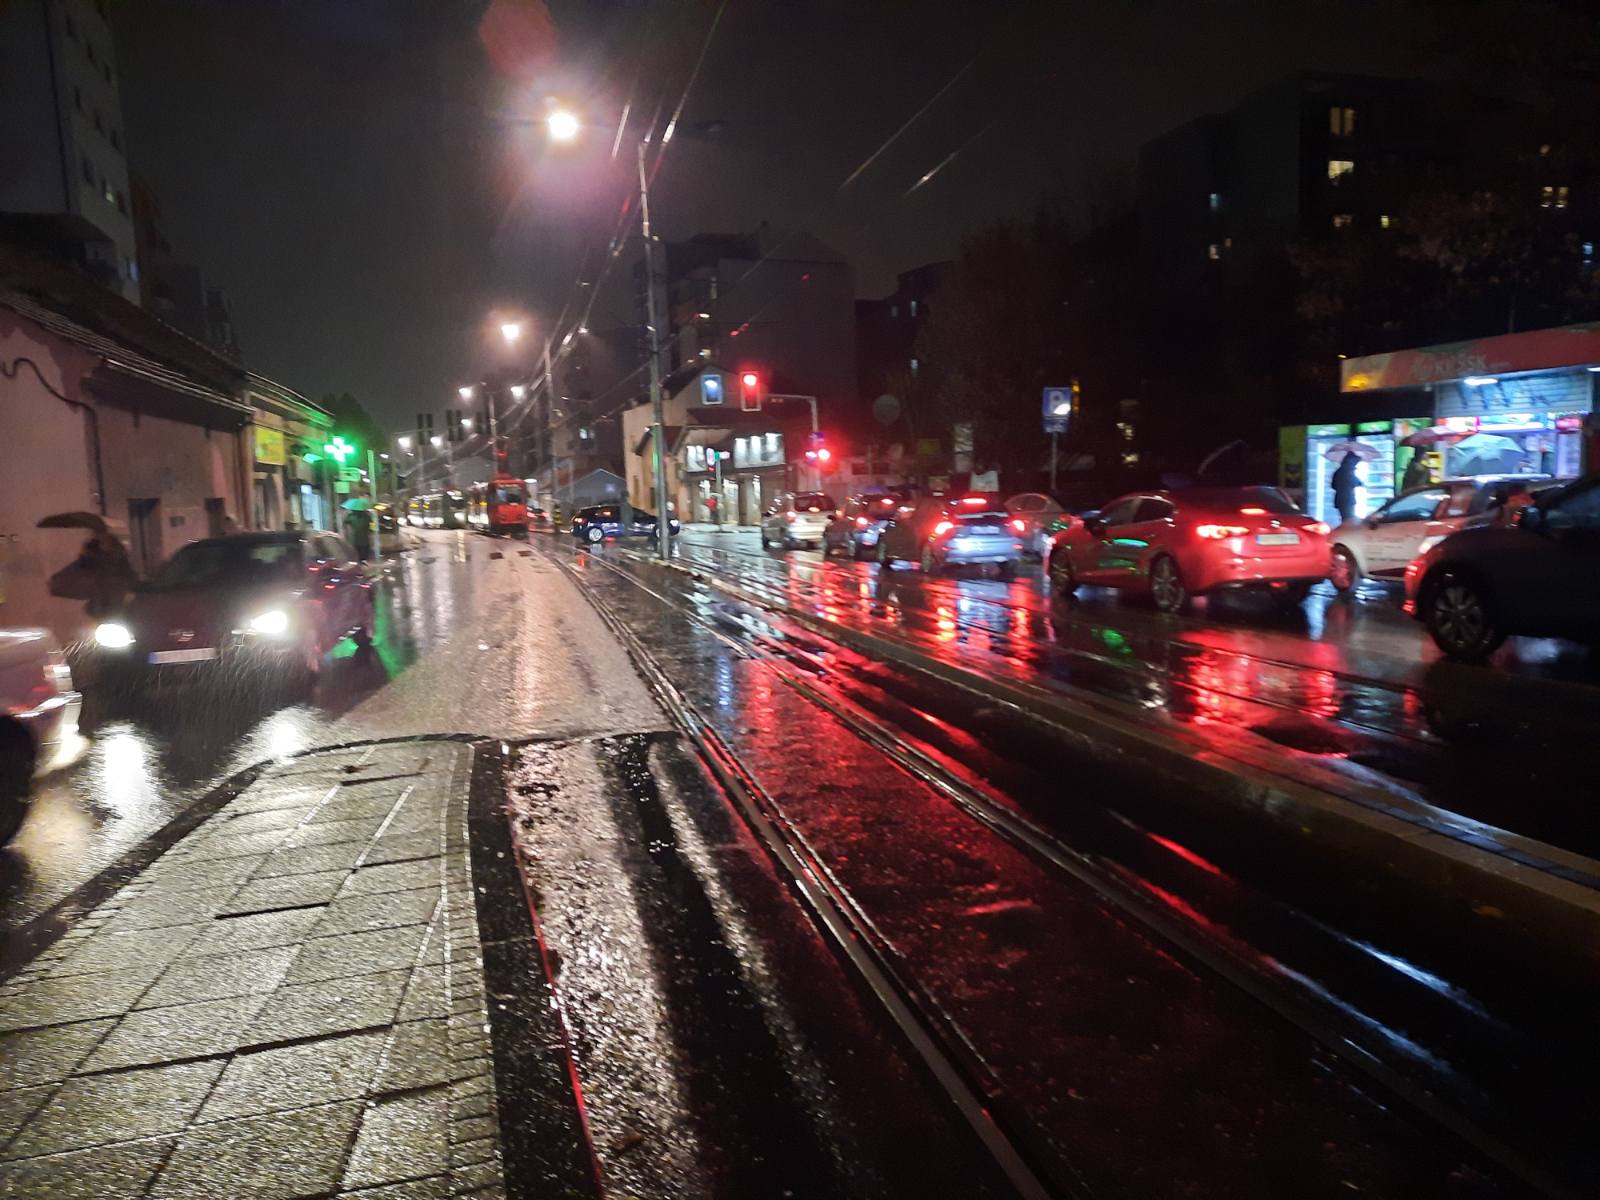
(499, 506)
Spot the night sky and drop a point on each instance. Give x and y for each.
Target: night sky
(367, 182)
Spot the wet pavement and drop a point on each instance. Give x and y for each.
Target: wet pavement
(1352, 680)
(287, 1001)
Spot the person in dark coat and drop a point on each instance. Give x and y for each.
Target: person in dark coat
(101, 576)
(1416, 473)
(1346, 479)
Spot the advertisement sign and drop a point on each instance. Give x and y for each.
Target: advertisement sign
(1292, 458)
(270, 446)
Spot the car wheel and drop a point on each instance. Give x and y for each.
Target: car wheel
(594, 535)
(1166, 585)
(16, 778)
(1343, 572)
(1458, 619)
(1291, 596)
(1062, 578)
(1006, 572)
(930, 564)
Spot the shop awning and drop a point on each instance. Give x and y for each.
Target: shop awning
(1567, 346)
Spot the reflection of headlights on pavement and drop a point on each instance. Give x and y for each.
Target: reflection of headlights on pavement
(272, 623)
(113, 636)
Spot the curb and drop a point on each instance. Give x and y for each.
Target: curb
(1508, 895)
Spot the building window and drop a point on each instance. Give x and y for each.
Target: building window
(1214, 201)
(88, 171)
(1214, 252)
(913, 308)
(1588, 249)
(1341, 121)
(1338, 168)
(894, 310)
(1385, 221)
(108, 191)
(1544, 150)
(914, 365)
(1342, 220)
(1554, 197)
(1561, 196)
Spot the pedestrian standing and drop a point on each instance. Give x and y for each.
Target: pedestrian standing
(1346, 479)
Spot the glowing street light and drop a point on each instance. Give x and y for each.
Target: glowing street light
(563, 125)
(404, 443)
(437, 441)
(519, 391)
(466, 423)
(465, 392)
(511, 331)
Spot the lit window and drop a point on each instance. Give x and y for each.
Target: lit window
(109, 192)
(1341, 121)
(914, 365)
(913, 308)
(1588, 249)
(1561, 196)
(1342, 220)
(1214, 201)
(1547, 196)
(1213, 252)
(1338, 168)
(1544, 150)
(1385, 221)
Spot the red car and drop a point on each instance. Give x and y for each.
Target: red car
(1178, 544)
(242, 604)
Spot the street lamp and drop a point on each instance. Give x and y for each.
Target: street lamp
(511, 331)
(404, 443)
(519, 391)
(465, 391)
(437, 441)
(563, 126)
(466, 423)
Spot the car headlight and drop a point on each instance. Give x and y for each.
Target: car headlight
(272, 623)
(113, 635)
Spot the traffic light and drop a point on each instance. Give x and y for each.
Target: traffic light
(817, 452)
(752, 390)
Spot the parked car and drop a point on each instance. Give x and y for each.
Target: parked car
(857, 526)
(938, 532)
(1174, 545)
(1381, 544)
(1538, 577)
(601, 521)
(1040, 516)
(796, 519)
(38, 714)
(249, 604)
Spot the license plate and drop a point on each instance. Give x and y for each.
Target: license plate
(202, 654)
(1277, 539)
(982, 530)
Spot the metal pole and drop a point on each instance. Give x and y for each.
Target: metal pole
(658, 416)
(1054, 439)
(494, 432)
(718, 453)
(372, 499)
(541, 429)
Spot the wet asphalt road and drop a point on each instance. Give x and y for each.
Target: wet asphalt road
(1350, 679)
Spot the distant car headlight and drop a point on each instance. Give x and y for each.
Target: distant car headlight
(113, 635)
(272, 623)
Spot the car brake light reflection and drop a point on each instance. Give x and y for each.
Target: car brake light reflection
(1215, 533)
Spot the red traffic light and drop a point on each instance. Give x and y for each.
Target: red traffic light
(752, 390)
(750, 379)
(824, 454)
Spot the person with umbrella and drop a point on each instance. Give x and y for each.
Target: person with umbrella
(358, 525)
(1346, 479)
(102, 575)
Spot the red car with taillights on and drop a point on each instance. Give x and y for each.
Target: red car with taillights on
(1174, 545)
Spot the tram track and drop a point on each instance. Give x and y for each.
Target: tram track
(1412, 1072)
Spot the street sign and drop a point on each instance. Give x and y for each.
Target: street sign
(1057, 409)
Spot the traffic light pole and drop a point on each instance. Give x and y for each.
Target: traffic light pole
(658, 438)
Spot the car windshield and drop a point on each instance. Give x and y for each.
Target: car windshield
(202, 564)
(813, 502)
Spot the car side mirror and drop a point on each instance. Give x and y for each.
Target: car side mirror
(1532, 518)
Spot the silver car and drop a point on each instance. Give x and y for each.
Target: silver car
(796, 519)
(857, 526)
(938, 532)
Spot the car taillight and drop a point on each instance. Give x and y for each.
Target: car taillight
(973, 501)
(943, 527)
(1319, 527)
(862, 522)
(1019, 525)
(1215, 533)
(1252, 512)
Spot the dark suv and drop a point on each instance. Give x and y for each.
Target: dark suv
(601, 521)
(1538, 577)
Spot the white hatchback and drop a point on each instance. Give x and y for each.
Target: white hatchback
(38, 717)
(1382, 544)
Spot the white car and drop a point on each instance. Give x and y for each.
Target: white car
(38, 717)
(797, 519)
(1382, 544)
(1038, 514)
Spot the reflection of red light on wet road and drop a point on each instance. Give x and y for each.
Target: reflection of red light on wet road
(1188, 855)
(947, 623)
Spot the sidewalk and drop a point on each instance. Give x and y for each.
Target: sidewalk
(288, 1002)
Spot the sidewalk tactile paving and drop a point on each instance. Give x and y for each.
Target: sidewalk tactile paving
(255, 1015)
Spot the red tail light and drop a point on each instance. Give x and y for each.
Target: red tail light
(1319, 527)
(1252, 512)
(1019, 525)
(862, 522)
(943, 527)
(1215, 533)
(974, 500)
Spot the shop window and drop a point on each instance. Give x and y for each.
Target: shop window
(1343, 220)
(1340, 168)
(1213, 252)
(1214, 201)
(1385, 221)
(1561, 196)
(1547, 196)
(1341, 121)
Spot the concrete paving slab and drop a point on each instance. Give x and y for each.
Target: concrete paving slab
(358, 914)
(44, 1055)
(330, 1006)
(297, 1153)
(95, 1110)
(214, 976)
(109, 1173)
(180, 1031)
(401, 1139)
(335, 1068)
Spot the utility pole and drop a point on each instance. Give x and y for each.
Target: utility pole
(657, 409)
(541, 429)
